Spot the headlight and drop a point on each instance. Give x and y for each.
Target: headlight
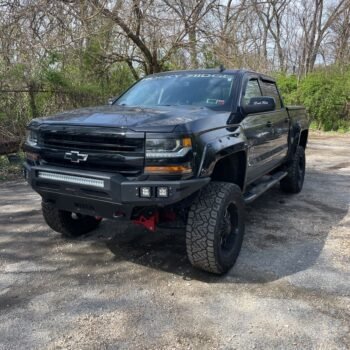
(32, 137)
(168, 148)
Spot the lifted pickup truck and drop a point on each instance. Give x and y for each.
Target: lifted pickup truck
(187, 145)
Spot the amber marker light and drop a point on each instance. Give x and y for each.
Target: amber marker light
(168, 169)
(187, 142)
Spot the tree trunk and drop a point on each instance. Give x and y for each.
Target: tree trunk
(192, 35)
(32, 103)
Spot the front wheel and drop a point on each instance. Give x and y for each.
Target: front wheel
(70, 225)
(293, 182)
(215, 227)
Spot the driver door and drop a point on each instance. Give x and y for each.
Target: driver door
(259, 132)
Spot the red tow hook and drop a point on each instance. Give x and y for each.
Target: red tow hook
(149, 223)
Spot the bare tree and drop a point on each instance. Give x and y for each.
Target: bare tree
(153, 35)
(271, 14)
(341, 37)
(190, 12)
(316, 21)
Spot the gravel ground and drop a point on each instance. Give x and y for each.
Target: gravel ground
(121, 287)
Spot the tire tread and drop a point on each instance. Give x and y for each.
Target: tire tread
(289, 184)
(62, 222)
(202, 224)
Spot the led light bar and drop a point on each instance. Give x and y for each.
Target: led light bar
(71, 179)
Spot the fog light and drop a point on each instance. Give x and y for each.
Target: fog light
(162, 192)
(145, 192)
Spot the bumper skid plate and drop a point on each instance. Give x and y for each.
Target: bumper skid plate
(103, 194)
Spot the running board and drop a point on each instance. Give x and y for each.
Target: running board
(254, 192)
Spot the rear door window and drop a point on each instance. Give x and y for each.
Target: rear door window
(270, 89)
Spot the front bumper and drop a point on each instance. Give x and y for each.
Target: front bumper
(107, 195)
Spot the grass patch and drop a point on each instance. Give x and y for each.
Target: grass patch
(340, 132)
(11, 169)
(343, 129)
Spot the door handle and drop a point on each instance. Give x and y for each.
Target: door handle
(269, 124)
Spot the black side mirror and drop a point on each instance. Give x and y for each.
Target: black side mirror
(259, 105)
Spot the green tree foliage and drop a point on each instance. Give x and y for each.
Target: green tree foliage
(58, 83)
(60, 55)
(325, 93)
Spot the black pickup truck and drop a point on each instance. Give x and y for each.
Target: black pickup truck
(184, 146)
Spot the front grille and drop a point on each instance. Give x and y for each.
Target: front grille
(92, 142)
(107, 151)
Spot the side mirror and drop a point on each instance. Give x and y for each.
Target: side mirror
(259, 105)
(111, 100)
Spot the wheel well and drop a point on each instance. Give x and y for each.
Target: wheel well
(231, 168)
(303, 138)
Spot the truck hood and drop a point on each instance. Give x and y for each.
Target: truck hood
(164, 119)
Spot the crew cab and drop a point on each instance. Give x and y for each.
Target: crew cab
(185, 146)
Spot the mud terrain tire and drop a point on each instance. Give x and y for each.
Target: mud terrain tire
(69, 224)
(215, 227)
(293, 182)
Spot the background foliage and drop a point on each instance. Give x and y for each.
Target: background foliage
(59, 55)
(325, 93)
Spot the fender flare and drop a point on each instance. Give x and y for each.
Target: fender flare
(218, 149)
(294, 138)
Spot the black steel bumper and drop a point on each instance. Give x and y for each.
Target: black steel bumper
(113, 196)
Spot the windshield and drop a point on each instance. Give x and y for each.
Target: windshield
(203, 90)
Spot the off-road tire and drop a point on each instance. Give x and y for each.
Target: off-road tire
(68, 224)
(206, 223)
(293, 182)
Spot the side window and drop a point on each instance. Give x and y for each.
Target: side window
(270, 89)
(252, 90)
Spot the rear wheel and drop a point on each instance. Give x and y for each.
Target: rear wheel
(215, 227)
(69, 224)
(293, 182)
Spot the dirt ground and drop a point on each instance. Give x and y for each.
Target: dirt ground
(123, 288)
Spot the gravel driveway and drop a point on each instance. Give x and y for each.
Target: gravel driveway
(124, 288)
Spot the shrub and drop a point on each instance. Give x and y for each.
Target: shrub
(326, 95)
(56, 87)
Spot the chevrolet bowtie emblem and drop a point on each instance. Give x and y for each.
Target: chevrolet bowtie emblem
(76, 157)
